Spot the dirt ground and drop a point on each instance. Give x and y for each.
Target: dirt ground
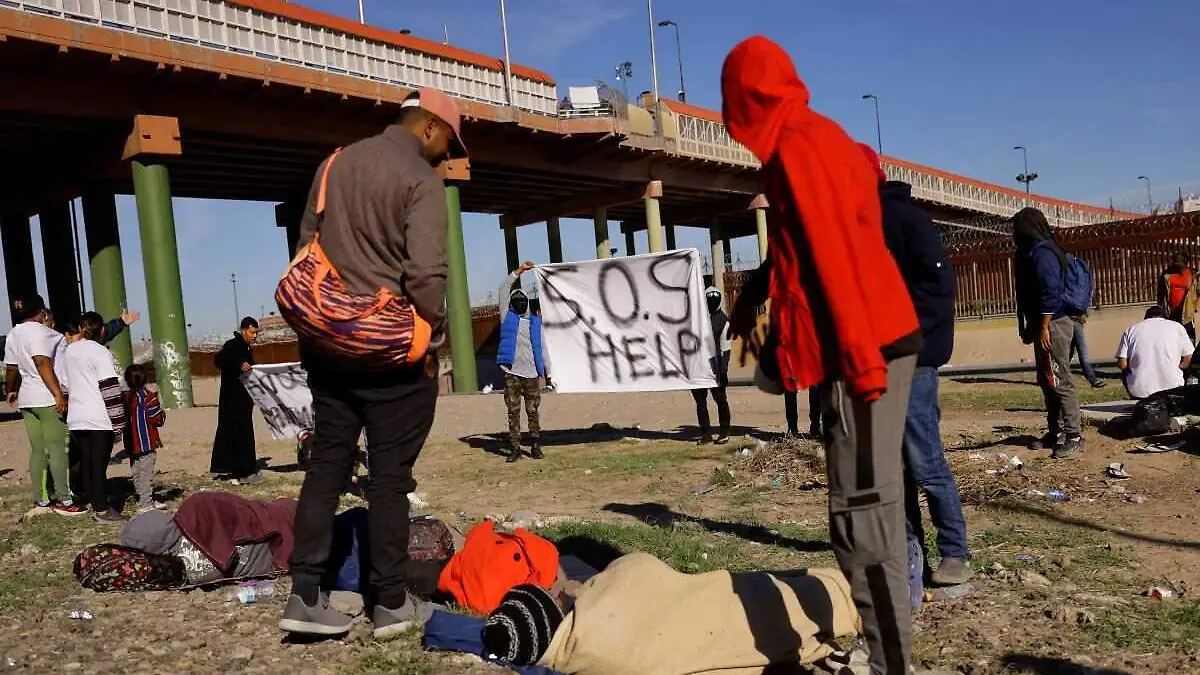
(1057, 591)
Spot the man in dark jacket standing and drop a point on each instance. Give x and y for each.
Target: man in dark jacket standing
(722, 347)
(233, 453)
(383, 226)
(916, 245)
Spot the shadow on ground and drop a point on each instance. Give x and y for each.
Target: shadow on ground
(1031, 510)
(659, 515)
(1047, 665)
(497, 443)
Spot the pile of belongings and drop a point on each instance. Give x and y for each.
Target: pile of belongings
(217, 537)
(636, 617)
(1153, 414)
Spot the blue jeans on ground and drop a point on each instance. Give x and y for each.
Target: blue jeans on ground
(925, 467)
(1079, 345)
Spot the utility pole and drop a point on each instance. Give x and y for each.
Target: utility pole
(362, 18)
(1026, 177)
(678, 56)
(658, 127)
(508, 83)
(237, 313)
(878, 131)
(1149, 199)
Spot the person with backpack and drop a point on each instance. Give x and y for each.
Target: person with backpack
(366, 293)
(1178, 293)
(1050, 290)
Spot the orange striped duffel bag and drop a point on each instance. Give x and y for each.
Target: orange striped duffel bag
(369, 331)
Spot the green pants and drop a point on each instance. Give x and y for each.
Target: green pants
(47, 450)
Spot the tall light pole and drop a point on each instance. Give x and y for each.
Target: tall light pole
(679, 55)
(878, 129)
(362, 18)
(658, 127)
(237, 313)
(1149, 199)
(1026, 177)
(508, 88)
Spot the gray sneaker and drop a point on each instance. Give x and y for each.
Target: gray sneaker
(319, 619)
(390, 623)
(952, 572)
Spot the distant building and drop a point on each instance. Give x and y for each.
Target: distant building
(1191, 203)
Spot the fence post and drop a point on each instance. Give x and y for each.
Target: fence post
(975, 288)
(1012, 290)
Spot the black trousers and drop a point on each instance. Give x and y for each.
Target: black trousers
(793, 415)
(397, 411)
(702, 418)
(95, 449)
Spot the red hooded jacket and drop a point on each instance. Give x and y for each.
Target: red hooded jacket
(837, 297)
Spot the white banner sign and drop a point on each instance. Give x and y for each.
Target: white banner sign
(637, 323)
(281, 392)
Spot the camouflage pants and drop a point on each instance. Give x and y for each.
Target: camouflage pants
(515, 389)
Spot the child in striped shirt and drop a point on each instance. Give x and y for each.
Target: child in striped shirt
(142, 441)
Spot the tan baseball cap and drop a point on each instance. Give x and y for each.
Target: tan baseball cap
(438, 104)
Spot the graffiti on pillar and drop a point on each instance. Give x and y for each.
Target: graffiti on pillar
(174, 373)
(628, 324)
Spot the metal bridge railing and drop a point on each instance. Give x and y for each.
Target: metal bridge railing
(231, 27)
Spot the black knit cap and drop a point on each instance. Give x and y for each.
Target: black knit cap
(520, 630)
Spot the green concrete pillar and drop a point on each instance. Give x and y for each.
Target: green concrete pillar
(554, 238)
(603, 247)
(654, 227)
(718, 255)
(287, 216)
(760, 220)
(669, 230)
(108, 272)
(458, 299)
(512, 252)
(630, 243)
(19, 271)
(164, 288)
(58, 254)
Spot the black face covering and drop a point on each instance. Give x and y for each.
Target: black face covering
(714, 303)
(519, 304)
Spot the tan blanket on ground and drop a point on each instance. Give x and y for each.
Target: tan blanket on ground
(640, 617)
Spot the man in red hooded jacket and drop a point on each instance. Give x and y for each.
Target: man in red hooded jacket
(840, 315)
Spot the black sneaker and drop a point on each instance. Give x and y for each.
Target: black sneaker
(1047, 442)
(536, 451)
(1070, 446)
(1099, 384)
(514, 454)
(318, 619)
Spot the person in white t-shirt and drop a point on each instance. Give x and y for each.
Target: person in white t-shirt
(1153, 355)
(96, 415)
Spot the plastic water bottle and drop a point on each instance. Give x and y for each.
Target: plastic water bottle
(250, 592)
(1058, 496)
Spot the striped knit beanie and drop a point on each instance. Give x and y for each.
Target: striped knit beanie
(520, 629)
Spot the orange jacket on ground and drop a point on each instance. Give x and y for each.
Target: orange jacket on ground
(492, 563)
(837, 297)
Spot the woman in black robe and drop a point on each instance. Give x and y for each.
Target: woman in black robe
(233, 449)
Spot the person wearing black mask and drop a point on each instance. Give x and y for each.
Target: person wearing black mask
(723, 346)
(520, 357)
(1040, 269)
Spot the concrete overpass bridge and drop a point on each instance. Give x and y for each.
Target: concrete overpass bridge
(241, 99)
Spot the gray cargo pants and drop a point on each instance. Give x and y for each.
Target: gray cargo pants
(866, 511)
(1062, 400)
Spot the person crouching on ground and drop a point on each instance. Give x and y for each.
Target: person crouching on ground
(722, 346)
(96, 415)
(1040, 268)
(840, 314)
(142, 441)
(520, 357)
(1154, 354)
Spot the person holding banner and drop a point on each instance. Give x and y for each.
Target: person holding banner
(521, 358)
(840, 314)
(722, 346)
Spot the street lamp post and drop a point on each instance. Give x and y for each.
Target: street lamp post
(678, 55)
(658, 127)
(878, 129)
(362, 18)
(1026, 177)
(624, 71)
(1149, 199)
(508, 88)
(237, 313)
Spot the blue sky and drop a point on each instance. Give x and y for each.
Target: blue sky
(1100, 93)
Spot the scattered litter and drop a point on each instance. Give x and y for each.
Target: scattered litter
(703, 489)
(587, 472)
(1182, 422)
(1136, 498)
(1016, 463)
(777, 482)
(488, 389)
(1116, 471)
(977, 456)
(745, 452)
(1027, 557)
(1158, 447)
(1034, 492)
(417, 500)
(1058, 496)
(1158, 593)
(250, 592)
(81, 615)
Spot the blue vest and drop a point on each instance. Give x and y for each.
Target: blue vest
(507, 352)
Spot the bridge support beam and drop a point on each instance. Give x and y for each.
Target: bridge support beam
(760, 222)
(654, 227)
(717, 250)
(151, 142)
(669, 230)
(108, 271)
(458, 299)
(630, 243)
(58, 254)
(512, 252)
(603, 247)
(287, 216)
(19, 271)
(554, 239)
